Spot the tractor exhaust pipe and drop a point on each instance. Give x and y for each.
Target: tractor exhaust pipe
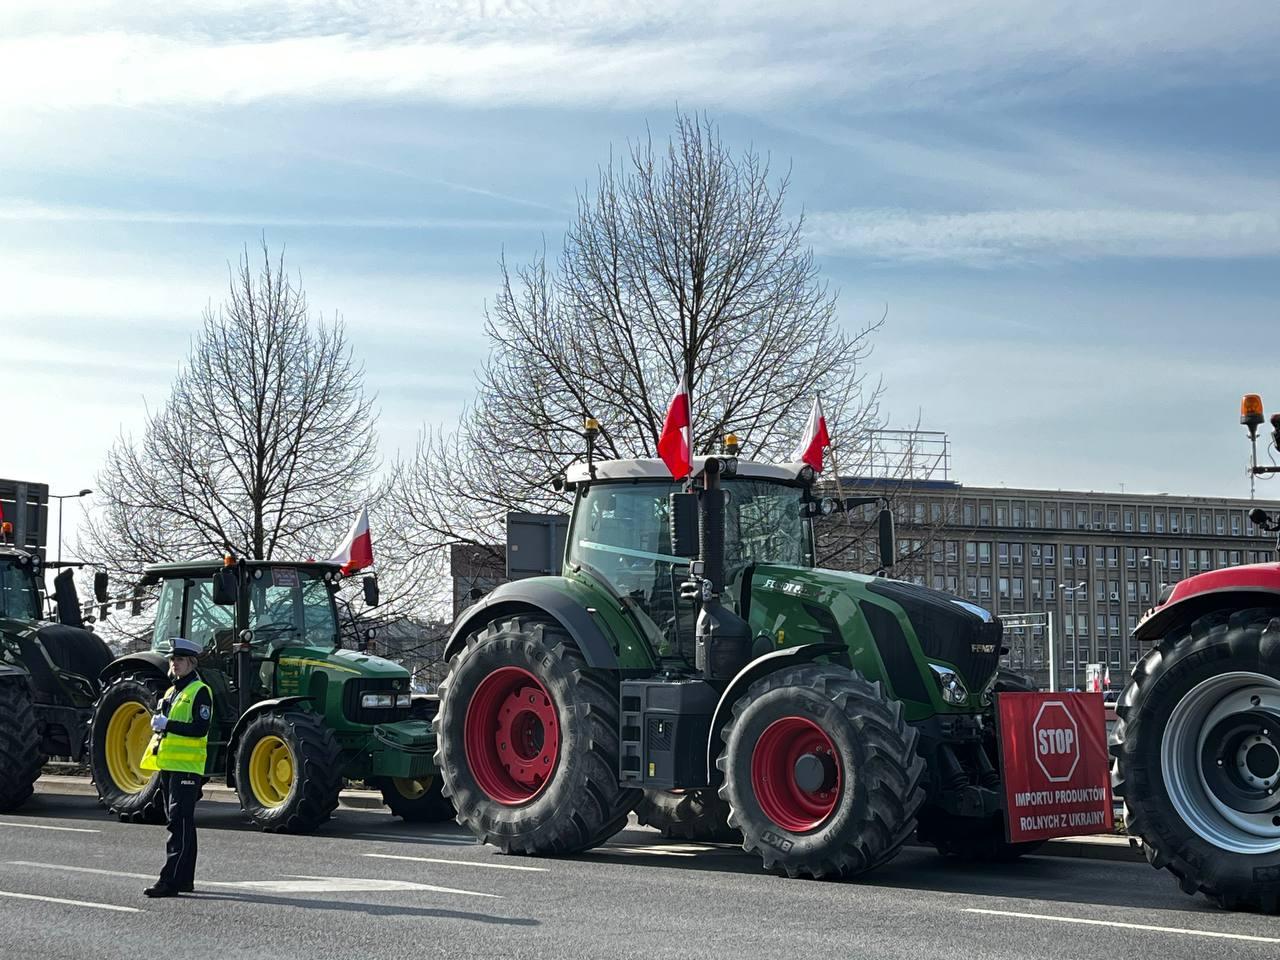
(723, 637)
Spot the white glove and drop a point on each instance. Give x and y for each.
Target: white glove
(159, 722)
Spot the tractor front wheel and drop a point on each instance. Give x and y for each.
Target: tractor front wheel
(288, 772)
(1196, 757)
(416, 801)
(527, 741)
(20, 758)
(119, 733)
(820, 772)
(697, 815)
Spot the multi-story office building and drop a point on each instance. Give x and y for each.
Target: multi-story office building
(1092, 563)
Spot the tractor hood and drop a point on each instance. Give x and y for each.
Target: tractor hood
(343, 663)
(946, 629)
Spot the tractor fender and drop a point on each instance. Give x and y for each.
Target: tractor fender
(12, 670)
(537, 596)
(762, 666)
(145, 659)
(246, 718)
(1232, 588)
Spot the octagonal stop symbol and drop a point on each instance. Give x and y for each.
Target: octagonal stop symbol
(1057, 741)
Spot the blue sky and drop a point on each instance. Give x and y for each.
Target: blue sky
(1072, 210)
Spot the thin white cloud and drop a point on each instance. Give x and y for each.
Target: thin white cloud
(870, 56)
(992, 237)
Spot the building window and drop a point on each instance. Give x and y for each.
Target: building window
(1113, 621)
(1082, 624)
(1159, 521)
(1133, 622)
(1050, 589)
(1097, 519)
(937, 552)
(935, 512)
(1175, 559)
(1131, 557)
(1131, 591)
(1113, 591)
(1235, 558)
(1017, 588)
(971, 587)
(1017, 515)
(1099, 557)
(953, 551)
(1082, 558)
(1101, 623)
(1144, 521)
(1100, 589)
(984, 551)
(984, 587)
(1235, 524)
(1222, 559)
(1113, 557)
(1191, 522)
(971, 551)
(1004, 588)
(1082, 519)
(984, 514)
(1206, 559)
(1015, 554)
(1144, 591)
(1037, 591)
(1050, 516)
(1002, 552)
(1173, 522)
(953, 583)
(968, 514)
(1128, 520)
(1002, 515)
(1035, 554)
(1049, 555)
(1033, 516)
(1220, 524)
(938, 581)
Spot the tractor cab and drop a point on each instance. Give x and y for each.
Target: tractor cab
(20, 595)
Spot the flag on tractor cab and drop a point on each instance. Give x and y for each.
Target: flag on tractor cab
(356, 551)
(673, 444)
(815, 439)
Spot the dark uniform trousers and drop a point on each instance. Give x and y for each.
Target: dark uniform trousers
(181, 791)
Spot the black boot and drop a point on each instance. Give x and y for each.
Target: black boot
(158, 889)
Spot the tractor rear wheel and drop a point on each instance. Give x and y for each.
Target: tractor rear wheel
(119, 733)
(820, 772)
(20, 757)
(527, 741)
(1196, 757)
(417, 801)
(697, 815)
(288, 772)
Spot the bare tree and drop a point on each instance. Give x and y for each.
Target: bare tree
(681, 261)
(264, 448)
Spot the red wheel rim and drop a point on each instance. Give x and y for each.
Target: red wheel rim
(773, 774)
(511, 736)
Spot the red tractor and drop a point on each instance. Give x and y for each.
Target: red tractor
(1196, 751)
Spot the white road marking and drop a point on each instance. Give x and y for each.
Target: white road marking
(292, 884)
(460, 863)
(304, 884)
(1127, 926)
(41, 826)
(70, 903)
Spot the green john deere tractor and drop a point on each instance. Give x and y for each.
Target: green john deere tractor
(48, 673)
(690, 662)
(294, 712)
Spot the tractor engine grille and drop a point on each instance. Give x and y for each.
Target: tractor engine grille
(353, 690)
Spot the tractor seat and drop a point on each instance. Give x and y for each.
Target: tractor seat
(75, 650)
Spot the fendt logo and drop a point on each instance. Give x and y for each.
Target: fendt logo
(1057, 741)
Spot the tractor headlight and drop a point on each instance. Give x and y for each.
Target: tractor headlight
(953, 689)
(378, 700)
(404, 699)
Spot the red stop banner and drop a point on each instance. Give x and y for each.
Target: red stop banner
(1053, 760)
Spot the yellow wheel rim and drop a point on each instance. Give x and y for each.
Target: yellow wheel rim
(128, 733)
(412, 789)
(271, 771)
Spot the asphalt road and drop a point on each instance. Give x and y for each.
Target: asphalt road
(369, 886)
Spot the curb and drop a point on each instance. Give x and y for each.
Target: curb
(214, 790)
(1103, 847)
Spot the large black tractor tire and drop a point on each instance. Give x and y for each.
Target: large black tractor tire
(1196, 757)
(119, 732)
(697, 815)
(417, 801)
(820, 772)
(288, 772)
(20, 757)
(527, 741)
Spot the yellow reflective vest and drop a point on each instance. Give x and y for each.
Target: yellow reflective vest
(170, 751)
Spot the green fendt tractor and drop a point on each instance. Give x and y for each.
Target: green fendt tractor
(822, 717)
(48, 673)
(294, 712)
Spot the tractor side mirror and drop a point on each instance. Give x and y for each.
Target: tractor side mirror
(684, 524)
(100, 586)
(887, 546)
(226, 587)
(371, 594)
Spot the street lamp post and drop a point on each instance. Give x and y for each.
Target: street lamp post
(1075, 629)
(60, 497)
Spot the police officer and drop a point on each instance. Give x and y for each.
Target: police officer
(179, 750)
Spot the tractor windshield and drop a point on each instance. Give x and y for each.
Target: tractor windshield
(763, 523)
(18, 596)
(291, 607)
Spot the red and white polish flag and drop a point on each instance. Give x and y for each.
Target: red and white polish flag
(356, 552)
(673, 444)
(815, 439)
